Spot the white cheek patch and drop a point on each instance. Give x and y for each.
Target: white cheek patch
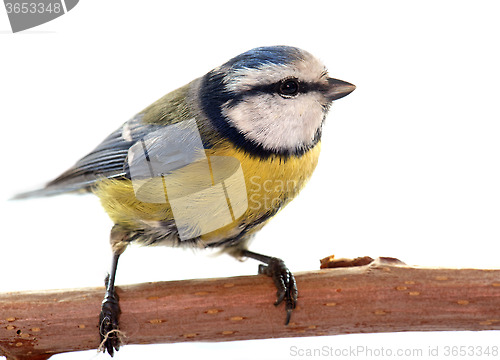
(276, 123)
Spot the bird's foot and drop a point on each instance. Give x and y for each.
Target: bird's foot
(285, 284)
(108, 324)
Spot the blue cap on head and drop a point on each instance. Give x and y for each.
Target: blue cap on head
(255, 58)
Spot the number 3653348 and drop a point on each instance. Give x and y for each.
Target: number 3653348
(33, 8)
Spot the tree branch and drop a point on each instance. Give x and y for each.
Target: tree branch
(380, 297)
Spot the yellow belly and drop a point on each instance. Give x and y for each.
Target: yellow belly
(269, 184)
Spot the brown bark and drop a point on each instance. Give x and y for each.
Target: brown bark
(380, 297)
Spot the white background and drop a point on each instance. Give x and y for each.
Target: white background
(410, 161)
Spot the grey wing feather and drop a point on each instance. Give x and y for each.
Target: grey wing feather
(107, 160)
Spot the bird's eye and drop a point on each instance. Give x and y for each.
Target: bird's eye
(289, 87)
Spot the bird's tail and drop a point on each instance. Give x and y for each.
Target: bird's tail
(51, 191)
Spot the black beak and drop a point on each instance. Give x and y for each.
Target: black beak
(338, 89)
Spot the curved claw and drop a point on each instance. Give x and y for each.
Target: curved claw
(285, 284)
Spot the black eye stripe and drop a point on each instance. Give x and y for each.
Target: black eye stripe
(304, 87)
(274, 88)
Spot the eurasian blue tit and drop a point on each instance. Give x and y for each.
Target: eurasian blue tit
(209, 164)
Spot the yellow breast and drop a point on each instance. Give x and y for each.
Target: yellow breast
(199, 203)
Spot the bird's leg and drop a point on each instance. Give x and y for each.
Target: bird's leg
(110, 312)
(110, 308)
(282, 277)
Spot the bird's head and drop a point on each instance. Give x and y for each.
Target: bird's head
(271, 100)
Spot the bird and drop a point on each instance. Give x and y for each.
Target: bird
(209, 164)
